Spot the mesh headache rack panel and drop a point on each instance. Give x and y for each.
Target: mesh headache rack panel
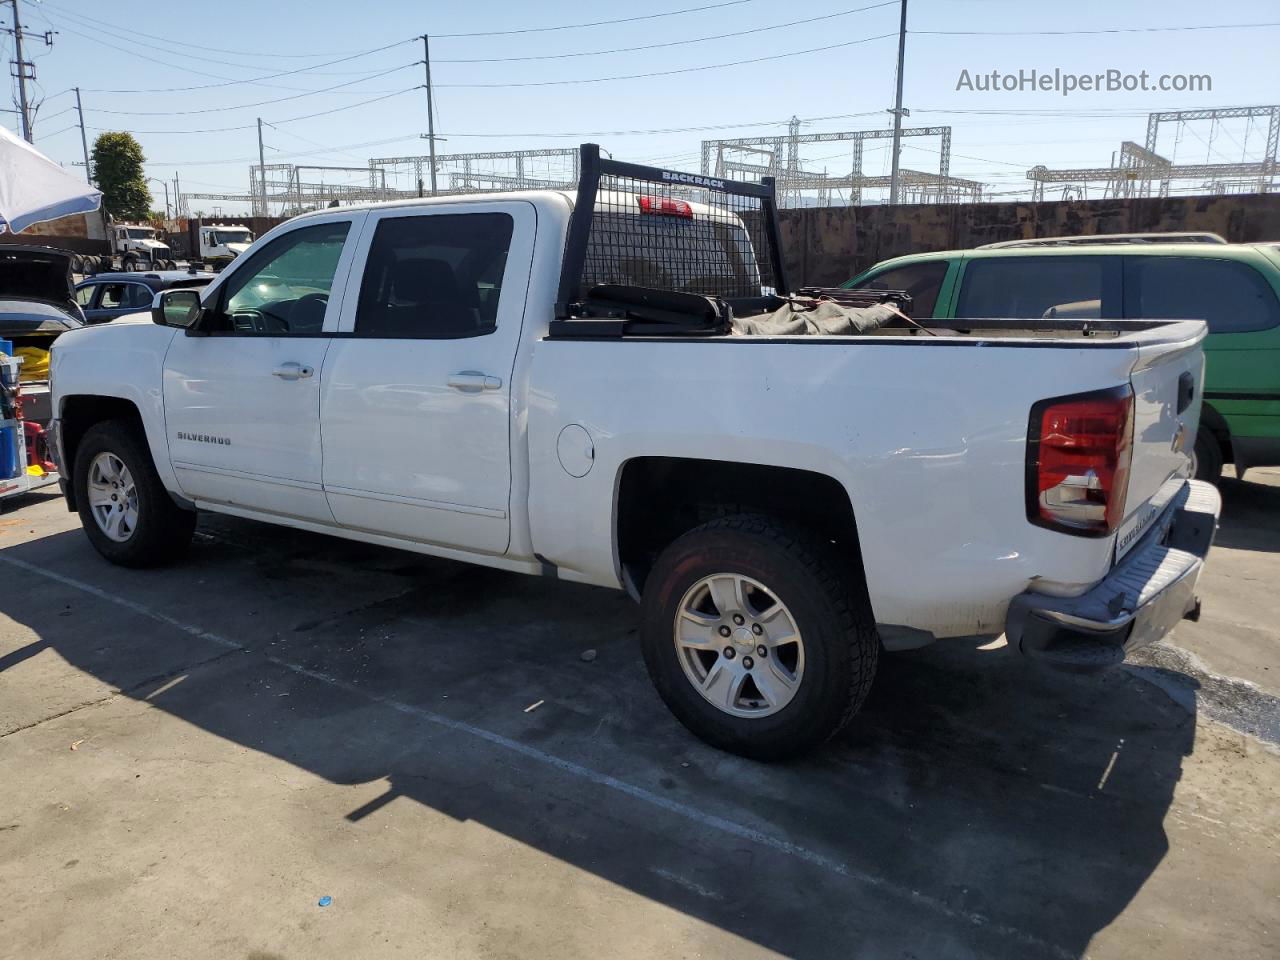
(644, 227)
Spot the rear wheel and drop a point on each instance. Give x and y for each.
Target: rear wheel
(755, 640)
(125, 510)
(1206, 459)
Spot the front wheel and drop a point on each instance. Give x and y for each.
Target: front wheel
(125, 510)
(755, 639)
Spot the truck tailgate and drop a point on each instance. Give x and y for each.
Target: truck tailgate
(1167, 382)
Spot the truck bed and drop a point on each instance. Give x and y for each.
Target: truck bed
(931, 445)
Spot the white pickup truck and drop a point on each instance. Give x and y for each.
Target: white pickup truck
(526, 381)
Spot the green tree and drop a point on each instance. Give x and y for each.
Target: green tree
(117, 165)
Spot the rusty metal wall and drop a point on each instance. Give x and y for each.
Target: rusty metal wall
(825, 246)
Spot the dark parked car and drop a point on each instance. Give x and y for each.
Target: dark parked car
(109, 295)
(37, 305)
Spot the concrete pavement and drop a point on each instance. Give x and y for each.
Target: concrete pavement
(193, 757)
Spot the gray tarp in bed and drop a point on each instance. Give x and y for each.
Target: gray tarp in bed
(820, 317)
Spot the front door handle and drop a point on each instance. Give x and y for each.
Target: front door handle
(293, 371)
(472, 381)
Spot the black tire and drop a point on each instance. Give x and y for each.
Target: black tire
(841, 647)
(163, 530)
(1208, 456)
(77, 264)
(171, 265)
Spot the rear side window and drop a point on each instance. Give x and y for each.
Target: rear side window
(1031, 288)
(434, 277)
(85, 294)
(921, 280)
(1233, 297)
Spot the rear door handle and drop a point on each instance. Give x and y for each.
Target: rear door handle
(472, 381)
(293, 371)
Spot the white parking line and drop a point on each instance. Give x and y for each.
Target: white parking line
(720, 824)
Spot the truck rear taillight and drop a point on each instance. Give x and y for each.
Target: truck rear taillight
(665, 206)
(1078, 453)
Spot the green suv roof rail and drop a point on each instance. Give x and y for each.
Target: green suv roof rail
(1106, 238)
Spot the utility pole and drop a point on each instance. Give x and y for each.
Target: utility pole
(177, 195)
(22, 75)
(897, 111)
(262, 168)
(84, 140)
(431, 115)
(88, 164)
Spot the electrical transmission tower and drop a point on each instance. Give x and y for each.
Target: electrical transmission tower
(779, 157)
(1139, 171)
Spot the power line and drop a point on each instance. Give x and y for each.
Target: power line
(661, 130)
(226, 81)
(282, 156)
(669, 43)
(48, 136)
(70, 109)
(596, 23)
(260, 103)
(1071, 33)
(102, 27)
(153, 60)
(254, 81)
(251, 126)
(270, 55)
(668, 73)
(573, 134)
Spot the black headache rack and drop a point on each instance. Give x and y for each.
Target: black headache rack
(661, 252)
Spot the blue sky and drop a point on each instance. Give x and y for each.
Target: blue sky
(847, 79)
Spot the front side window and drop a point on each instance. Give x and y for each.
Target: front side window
(118, 295)
(1031, 288)
(921, 280)
(434, 277)
(1233, 297)
(284, 288)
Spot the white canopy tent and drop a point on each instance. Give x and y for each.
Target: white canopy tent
(33, 188)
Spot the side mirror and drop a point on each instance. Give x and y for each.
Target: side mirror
(176, 308)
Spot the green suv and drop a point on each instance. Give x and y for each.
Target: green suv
(1235, 287)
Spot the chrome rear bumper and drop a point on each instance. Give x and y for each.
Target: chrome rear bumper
(1137, 603)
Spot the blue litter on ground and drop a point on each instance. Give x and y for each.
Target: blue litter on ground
(325, 901)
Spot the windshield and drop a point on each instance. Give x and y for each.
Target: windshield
(232, 236)
(140, 233)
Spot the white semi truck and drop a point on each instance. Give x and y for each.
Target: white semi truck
(143, 247)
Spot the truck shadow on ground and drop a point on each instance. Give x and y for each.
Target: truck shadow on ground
(976, 807)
